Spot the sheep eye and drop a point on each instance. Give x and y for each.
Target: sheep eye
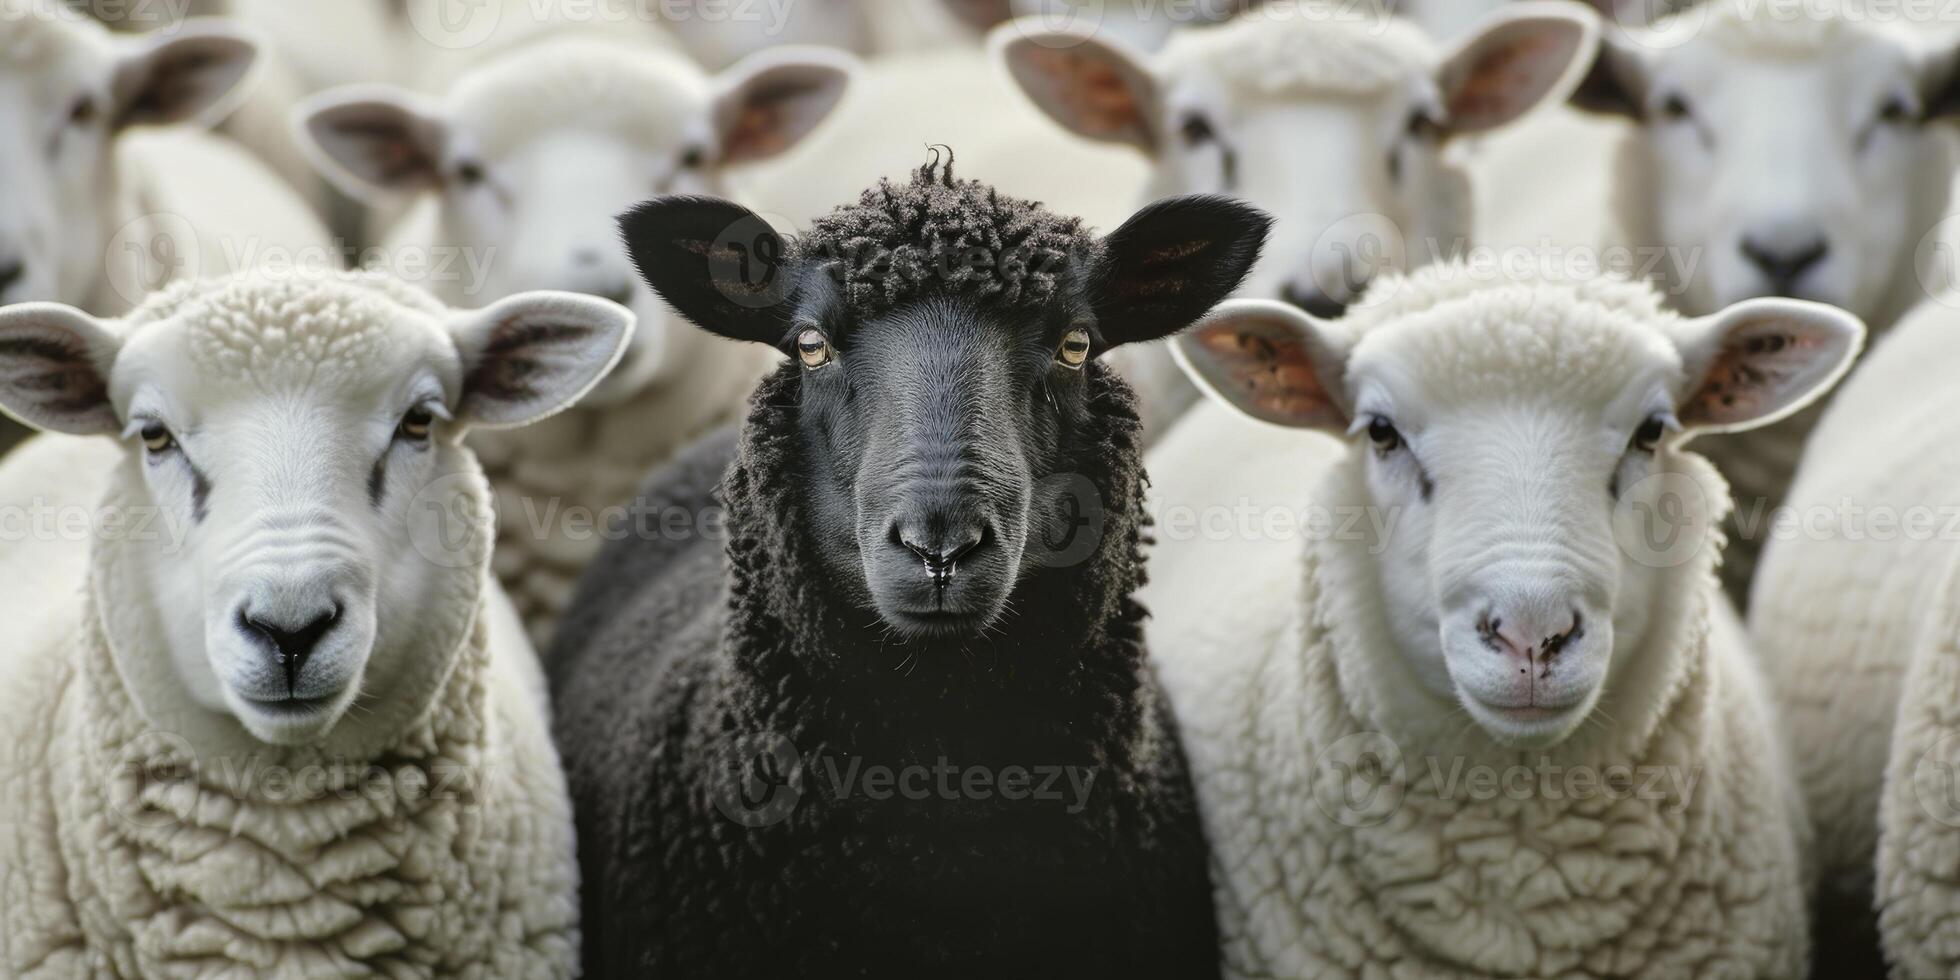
(813, 349)
(1648, 437)
(1675, 109)
(1196, 130)
(1383, 434)
(1074, 351)
(416, 424)
(83, 112)
(1895, 111)
(469, 173)
(1422, 125)
(157, 440)
(694, 158)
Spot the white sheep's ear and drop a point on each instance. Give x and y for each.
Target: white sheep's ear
(1524, 55)
(1094, 87)
(1762, 360)
(54, 368)
(1271, 362)
(770, 100)
(193, 74)
(531, 355)
(372, 140)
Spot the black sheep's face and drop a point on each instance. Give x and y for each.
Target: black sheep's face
(928, 432)
(933, 433)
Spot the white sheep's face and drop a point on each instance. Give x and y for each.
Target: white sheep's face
(1808, 175)
(1360, 177)
(1513, 448)
(532, 205)
(66, 89)
(306, 439)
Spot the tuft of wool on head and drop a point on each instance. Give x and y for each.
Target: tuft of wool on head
(1287, 50)
(955, 236)
(641, 92)
(1777, 30)
(322, 323)
(1527, 328)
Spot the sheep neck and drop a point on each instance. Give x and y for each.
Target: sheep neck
(1066, 658)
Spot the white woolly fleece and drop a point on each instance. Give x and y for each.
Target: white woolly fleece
(1857, 613)
(428, 834)
(1361, 827)
(1305, 49)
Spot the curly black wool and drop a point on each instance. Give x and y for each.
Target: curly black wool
(723, 706)
(958, 237)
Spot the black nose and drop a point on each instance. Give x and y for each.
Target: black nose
(941, 545)
(1314, 301)
(10, 273)
(291, 644)
(1785, 263)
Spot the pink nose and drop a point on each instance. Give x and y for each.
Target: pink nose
(1528, 641)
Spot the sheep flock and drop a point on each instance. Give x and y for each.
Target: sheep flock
(736, 489)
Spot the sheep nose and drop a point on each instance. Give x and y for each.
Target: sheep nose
(620, 292)
(11, 272)
(941, 545)
(1530, 639)
(293, 640)
(1313, 301)
(1784, 262)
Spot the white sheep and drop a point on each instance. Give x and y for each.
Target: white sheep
(522, 167)
(1751, 149)
(279, 722)
(1344, 123)
(1493, 716)
(100, 204)
(1854, 609)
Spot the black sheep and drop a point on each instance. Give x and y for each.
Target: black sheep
(906, 727)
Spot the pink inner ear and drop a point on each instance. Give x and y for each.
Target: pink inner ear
(1502, 76)
(1267, 370)
(758, 127)
(1094, 94)
(1748, 376)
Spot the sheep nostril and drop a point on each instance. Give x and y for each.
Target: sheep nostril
(11, 273)
(291, 644)
(1785, 264)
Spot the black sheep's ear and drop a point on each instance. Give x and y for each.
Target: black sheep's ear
(715, 262)
(1173, 261)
